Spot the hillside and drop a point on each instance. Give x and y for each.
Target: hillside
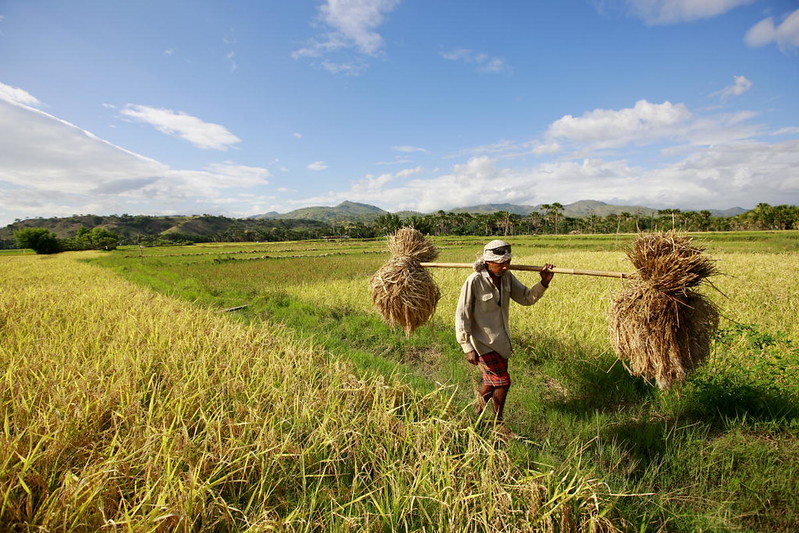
(308, 222)
(200, 228)
(344, 212)
(356, 212)
(584, 208)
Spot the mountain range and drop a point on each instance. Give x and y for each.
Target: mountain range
(353, 211)
(306, 221)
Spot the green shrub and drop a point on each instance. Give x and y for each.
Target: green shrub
(40, 240)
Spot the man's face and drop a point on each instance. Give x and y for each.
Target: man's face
(498, 269)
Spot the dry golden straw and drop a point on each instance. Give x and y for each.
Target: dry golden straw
(659, 322)
(403, 291)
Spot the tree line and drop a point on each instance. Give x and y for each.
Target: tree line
(551, 220)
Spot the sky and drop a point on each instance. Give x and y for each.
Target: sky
(239, 108)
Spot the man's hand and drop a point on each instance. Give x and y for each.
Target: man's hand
(547, 274)
(472, 357)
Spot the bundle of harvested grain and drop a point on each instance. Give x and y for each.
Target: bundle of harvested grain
(403, 292)
(659, 322)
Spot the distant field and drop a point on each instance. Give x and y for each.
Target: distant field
(721, 453)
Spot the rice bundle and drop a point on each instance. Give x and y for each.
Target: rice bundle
(659, 322)
(403, 291)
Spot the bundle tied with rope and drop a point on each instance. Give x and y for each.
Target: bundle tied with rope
(659, 322)
(403, 291)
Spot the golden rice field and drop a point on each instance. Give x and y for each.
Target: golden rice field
(151, 409)
(123, 409)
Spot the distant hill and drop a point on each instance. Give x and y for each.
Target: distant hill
(583, 208)
(344, 212)
(308, 222)
(354, 212)
(195, 227)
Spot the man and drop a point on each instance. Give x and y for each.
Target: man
(481, 320)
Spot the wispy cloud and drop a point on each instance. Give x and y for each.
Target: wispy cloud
(483, 62)
(54, 167)
(201, 134)
(407, 149)
(317, 166)
(349, 25)
(740, 86)
(18, 96)
(662, 12)
(784, 34)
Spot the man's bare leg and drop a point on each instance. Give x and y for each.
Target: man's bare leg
(498, 397)
(485, 393)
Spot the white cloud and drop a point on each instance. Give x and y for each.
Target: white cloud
(371, 183)
(785, 34)
(409, 172)
(661, 12)
(605, 128)
(793, 130)
(398, 161)
(484, 63)
(705, 161)
(351, 25)
(50, 167)
(18, 96)
(550, 148)
(740, 86)
(356, 20)
(408, 149)
(504, 146)
(352, 68)
(729, 175)
(231, 174)
(201, 134)
(317, 166)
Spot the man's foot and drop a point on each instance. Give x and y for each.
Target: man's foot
(505, 432)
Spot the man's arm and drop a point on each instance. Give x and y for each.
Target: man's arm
(463, 320)
(528, 296)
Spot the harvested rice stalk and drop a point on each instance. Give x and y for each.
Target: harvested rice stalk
(659, 322)
(404, 292)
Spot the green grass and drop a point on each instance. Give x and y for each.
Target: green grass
(718, 454)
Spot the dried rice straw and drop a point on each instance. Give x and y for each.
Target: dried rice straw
(659, 322)
(403, 291)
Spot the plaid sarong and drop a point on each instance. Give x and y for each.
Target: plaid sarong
(495, 370)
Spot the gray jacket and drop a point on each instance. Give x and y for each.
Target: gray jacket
(481, 320)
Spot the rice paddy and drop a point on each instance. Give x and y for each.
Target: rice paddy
(134, 409)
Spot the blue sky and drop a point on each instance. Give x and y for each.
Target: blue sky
(240, 108)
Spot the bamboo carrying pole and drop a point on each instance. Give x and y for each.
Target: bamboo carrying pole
(659, 323)
(556, 270)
